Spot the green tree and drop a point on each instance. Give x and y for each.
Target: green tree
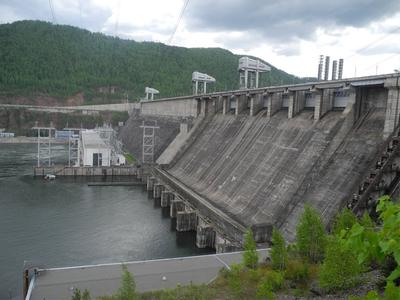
(310, 235)
(340, 268)
(279, 255)
(250, 255)
(127, 290)
(344, 221)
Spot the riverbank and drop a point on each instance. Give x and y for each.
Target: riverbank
(27, 140)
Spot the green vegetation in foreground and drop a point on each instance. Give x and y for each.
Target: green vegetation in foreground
(328, 263)
(38, 58)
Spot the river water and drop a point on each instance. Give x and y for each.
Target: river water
(65, 222)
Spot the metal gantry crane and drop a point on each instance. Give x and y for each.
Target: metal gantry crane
(249, 70)
(199, 81)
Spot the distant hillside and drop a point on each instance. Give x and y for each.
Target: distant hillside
(38, 59)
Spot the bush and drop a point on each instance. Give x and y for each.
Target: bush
(344, 221)
(271, 282)
(250, 255)
(310, 236)
(234, 280)
(297, 271)
(279, 255)
(340, 269)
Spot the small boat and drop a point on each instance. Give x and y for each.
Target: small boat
(50, 177)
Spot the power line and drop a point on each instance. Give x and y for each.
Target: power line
(373, 43)
(381, 61)
(185, 4)
(52, 12)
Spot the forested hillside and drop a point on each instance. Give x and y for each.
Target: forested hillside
(41, 59)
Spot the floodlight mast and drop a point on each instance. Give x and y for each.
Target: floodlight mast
(250, 67)
(201, 79)
(150, 92)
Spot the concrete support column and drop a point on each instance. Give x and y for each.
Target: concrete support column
(225, 105)
(241, 104)
(218, 102)
(150, 183)
(158, 188)
(291, 105)
(317, 94)
(392, 106)
(203, 106)
(186, 220)
(255, 104)
(275, 103)
(300, 101)
(176, 205)
(205, 235)
(323, 103)
(166, 198)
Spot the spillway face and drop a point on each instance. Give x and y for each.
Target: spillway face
(132, 133)
(262, 170)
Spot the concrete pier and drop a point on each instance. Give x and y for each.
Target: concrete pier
(205, 235)
(176, 205)
(186, 220)
(150, 183)
(158, 189)
(166, 198)
(223, 244)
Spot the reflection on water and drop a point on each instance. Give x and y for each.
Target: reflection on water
(65, 222)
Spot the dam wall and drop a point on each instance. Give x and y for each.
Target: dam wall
(256, 157)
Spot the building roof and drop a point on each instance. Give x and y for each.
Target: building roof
(92, 140)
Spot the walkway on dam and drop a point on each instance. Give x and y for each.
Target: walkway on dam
(102, 280)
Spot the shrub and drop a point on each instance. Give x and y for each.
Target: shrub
(234, 280)
(250, 255)
(310, 236)
(279, 255)
(271, 282)
(297, 271)
(344, 221)
(127, 291)
(340, 269)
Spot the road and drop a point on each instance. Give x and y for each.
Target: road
(101, 280)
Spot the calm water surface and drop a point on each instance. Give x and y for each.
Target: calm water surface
(65, 222)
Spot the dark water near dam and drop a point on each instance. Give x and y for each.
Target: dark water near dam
(65, 222)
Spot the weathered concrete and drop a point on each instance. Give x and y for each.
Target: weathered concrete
(150, 183)
(177, 205)
(158, 189)
(256, 103)
(166, 198)
(254, 169)
(186, 106)
(186, 220)
(241, 103)
(275, 103)
(205, 234)
(393, 105)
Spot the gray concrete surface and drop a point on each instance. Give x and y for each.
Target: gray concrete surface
(263, 170)
(101, 280)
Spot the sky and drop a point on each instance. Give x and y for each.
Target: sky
(289, 34)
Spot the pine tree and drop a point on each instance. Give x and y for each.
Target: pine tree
(127, 291)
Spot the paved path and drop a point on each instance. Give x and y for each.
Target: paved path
(100, 280)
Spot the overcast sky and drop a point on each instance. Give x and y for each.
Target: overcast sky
(289, 34)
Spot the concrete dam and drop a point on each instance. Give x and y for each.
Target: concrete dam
(253, 158)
